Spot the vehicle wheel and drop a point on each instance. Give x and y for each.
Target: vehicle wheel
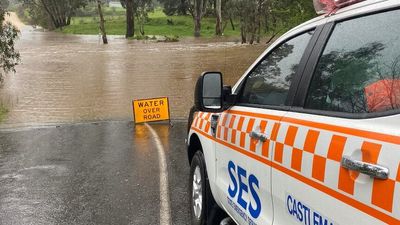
(198, 190)
(204, 209)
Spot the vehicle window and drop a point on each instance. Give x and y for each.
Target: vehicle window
(269, 82)
(359, 70)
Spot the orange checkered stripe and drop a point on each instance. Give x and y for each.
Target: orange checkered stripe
(202, 121)
(312, 155)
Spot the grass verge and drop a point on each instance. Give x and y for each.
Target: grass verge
(157, 24)
(3, 112)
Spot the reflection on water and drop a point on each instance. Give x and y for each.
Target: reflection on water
(66, 78)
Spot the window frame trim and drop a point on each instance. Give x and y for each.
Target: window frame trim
(296, 78)
(305, 83)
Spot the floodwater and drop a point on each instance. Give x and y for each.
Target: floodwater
(68, 78)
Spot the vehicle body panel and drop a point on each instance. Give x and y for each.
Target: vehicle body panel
(300, 167)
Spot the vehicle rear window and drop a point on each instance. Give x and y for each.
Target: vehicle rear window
(359, 70)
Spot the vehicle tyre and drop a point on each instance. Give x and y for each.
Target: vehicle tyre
(204, 209)
(198, 190)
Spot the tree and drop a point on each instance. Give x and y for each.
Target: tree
(218, 16)
(9, 57)
(283, 14)
(275, 16)
(197, 9)
(246, 12)
(138, 9)
(143, 7)
(130, 17)
(102, 21)
(58, 12)
(228, 14)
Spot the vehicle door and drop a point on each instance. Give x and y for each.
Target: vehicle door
(339, 161)
(246, 133)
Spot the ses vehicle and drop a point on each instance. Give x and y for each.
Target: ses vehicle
(311, 133)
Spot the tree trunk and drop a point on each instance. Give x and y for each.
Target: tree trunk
(259, 32)
(252, 32)
(258, 20)
(130, 19)
(232, 24)
(59, 13)
(243, 32)
(102, 21)
(56, 13)
(197, 27)
(141, 27)
(69, 16)
(50, 14)
(218, 13)
(199, 10)
(252, 37)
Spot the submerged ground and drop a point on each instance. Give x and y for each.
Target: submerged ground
(57, 166)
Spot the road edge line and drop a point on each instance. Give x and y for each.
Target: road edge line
(165, 213)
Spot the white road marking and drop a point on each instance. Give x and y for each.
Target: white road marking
(165, 213)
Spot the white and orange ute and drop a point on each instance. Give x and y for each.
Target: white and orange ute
(310, 134)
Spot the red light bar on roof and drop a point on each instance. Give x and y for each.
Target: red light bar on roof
(328, 6)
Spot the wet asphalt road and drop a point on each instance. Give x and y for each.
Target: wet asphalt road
(98, 173)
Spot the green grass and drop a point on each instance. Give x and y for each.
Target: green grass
(3, 112)
(156, 25)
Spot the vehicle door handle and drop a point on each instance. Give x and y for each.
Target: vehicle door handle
(374, 171)
(259, 136)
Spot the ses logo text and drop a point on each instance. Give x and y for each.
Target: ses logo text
(243, 184)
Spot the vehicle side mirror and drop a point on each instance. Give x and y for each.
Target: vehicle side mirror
(208, 93)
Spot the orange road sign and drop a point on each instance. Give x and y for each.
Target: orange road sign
(149, 110)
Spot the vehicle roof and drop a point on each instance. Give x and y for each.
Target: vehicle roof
(361, 8)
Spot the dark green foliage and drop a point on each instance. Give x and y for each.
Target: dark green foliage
(256, 18)
(259, 17)
(174, 7)
(9, 57)
(285, 14)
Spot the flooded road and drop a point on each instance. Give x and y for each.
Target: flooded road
(101, 172)
(93, 174)
(66, 78)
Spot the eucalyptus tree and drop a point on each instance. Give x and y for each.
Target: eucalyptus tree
(258, 17)
(130, 17)
(218, 16)
(59, 12)
(143, 7)
(197, 8)
(102, 22)
(246, 11)
(138, 9)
